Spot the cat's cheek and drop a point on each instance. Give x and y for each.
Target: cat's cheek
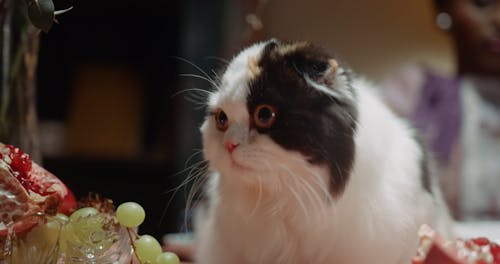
(210, 138)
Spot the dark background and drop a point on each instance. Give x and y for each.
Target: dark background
(142, 39)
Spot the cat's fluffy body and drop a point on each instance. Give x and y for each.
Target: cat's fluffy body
(273, 204)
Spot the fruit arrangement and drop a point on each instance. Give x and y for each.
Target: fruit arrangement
(433, 250)
(41, 222)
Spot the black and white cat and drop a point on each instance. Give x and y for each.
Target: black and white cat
(309, 166)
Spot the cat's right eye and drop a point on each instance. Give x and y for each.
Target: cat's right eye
(264, 116)
(221, 120)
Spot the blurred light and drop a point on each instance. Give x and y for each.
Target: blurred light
(443, 21)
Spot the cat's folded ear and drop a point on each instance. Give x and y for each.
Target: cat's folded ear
(331, 72)
(320, 71)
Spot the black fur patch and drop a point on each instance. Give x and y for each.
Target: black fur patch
(309, 121)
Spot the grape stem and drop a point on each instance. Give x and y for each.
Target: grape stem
(133, 245)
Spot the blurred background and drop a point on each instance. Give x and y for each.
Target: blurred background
(112, 119)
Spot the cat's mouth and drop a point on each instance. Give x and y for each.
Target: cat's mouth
(237, 164)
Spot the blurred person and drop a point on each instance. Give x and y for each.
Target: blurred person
(459, 116)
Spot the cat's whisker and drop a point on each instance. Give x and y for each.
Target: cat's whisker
(191, 178)
(219, 59)
(186, 181)
(205, 93)
(197, 170)
(217, 77)
(189, 167)
(212, 82)
(311, 198)
(199, 102)
(299, 200)
(320, 183)
(276, 206)
(316, 199)
(173, 192)
(191, 90)
(312, 195)
(196, 152)
(191, 202)
(317, 180)
(195, 174)
(223, 65)
(192, 64)
(259, 197)
(196, 96)
(200, 180)
(291, 188)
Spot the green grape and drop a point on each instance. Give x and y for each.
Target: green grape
(147, 248)
(167, 258)
(82, 212)
(66, 236)
(61, 218)
(39, 245)
(86, 229)
(46, 234)
(130, 214)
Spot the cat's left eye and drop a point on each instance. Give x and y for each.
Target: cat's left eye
(221, 120)
(264, 116)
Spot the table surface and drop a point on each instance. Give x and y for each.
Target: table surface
(489, 229)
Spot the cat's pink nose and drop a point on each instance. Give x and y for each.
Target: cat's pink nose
(230, 146)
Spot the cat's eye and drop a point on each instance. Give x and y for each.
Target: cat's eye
(264, 116)
(221, 120)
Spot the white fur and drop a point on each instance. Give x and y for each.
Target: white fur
(269, 205)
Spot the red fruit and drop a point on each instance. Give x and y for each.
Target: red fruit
(481, 241)
(68, 204)
(21, 163)
(495, 251)
(28, 189)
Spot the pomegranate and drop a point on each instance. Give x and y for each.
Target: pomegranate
(28, 191)
(433, 249)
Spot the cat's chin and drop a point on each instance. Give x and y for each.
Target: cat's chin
(238, 168)
(235, 165)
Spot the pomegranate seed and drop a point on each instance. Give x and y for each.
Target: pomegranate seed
(495, 252)
(21, 165)
(481, 241)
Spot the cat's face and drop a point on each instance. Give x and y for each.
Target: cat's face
(283, 112)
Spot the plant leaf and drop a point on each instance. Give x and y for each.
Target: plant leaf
(41, 14)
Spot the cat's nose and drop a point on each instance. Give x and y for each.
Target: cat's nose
(230, 146)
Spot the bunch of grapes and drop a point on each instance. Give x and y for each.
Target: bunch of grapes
(91, 234)
(86, 236)
(146, 247)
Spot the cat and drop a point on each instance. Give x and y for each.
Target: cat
(307, 165)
